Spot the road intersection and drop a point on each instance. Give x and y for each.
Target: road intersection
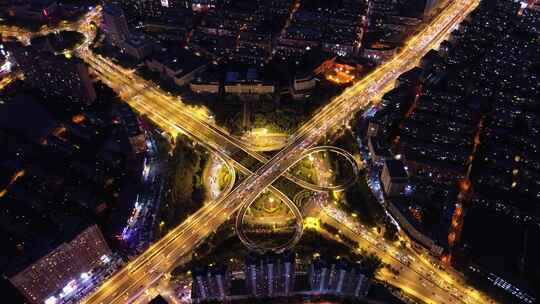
(170, 114)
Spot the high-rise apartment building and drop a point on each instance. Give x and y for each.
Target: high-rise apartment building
(115, 23)
(56, 274)
(338, 277)
(394, 177)
(136, 135)
(270, 275)
(133, 10)
(210, 283)
(138, 11)
(382, 7)
(254, 275)
(318, 275)
(54, 75)
(358, 282)
(379, 10)
(288, 268)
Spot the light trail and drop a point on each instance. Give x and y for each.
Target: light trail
(169, 113)
(351, 101)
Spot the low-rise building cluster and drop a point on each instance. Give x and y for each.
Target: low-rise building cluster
(35, 13)
(63, 178)
(332, 26)
(463, 126)
(277, 39)
(53, 250)
(387, 24)
(54, 74)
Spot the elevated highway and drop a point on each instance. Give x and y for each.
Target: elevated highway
(132, 279)
(170, 114)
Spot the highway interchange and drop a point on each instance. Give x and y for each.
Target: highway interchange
(420, 279)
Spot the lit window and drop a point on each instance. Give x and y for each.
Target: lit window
(51, 300)
(105, 258)
(70, 287)
(85, 276)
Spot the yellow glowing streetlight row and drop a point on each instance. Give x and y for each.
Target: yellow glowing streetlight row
(321, 116)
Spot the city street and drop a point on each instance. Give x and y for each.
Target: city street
(170, 114)
(128, 283)
(138, 232)
(417, 276)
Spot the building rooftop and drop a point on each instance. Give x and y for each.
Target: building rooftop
(178, 59)
(113, 9)
(130, 120)
(248, 75)
(396, 168)
(137, 40)
(27, 117)
(411, 76)
(32, 227)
